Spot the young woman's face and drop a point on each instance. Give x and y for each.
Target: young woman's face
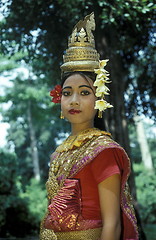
(78, 100)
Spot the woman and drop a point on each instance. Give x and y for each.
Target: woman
(87, 185)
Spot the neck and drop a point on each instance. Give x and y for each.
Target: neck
(77, 128)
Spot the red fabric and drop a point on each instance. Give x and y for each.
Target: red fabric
(109, 162)
(106, 164)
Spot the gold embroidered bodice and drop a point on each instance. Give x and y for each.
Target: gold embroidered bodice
(69, 154)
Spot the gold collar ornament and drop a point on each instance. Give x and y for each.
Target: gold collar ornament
(76, 141)
(81, 55)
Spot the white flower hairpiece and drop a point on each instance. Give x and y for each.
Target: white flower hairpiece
(102, 90)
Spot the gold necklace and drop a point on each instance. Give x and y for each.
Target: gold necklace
(73, 142)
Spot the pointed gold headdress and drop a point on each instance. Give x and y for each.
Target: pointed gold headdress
(81, 54)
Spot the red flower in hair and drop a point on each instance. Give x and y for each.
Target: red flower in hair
(56, 93)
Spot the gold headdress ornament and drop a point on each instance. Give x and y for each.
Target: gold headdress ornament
(81, 55)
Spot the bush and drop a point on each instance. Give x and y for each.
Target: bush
(146, 192)
(13, 210)
(20, 212)
(36, 199)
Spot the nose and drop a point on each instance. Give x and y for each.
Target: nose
(75, 100)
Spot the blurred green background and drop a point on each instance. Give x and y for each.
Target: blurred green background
(33, 39)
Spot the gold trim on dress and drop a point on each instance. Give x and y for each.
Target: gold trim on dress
(89, 234)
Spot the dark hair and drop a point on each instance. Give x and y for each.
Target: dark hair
(90, 75)
(98, 122)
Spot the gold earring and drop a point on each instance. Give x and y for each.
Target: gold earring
(61, 115)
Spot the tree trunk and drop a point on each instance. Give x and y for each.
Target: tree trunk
(115, 117)
(33, 144)
(142, 140)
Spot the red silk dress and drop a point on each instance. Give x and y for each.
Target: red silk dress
(74, 207)
(107, 163)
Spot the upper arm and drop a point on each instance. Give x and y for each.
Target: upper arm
(106, 164)
(109, 195)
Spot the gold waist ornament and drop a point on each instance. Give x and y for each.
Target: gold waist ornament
(89, 234)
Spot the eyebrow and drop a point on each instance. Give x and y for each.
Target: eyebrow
(85, 86)
(79, 87)
(66, 87)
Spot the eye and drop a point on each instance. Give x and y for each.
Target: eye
(66, 93)
(85, 93)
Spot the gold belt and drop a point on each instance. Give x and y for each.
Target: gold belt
(89, 234)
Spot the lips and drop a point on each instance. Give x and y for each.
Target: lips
(74, 111)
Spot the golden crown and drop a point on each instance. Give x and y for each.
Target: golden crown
(81, 54)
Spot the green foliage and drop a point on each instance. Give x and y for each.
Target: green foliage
(20, 210)
(146, 192)
(13, 210)
(8, 64)
(125, 10)
(150, 231)
(35, 197)
(30, 99)
(8, 183)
